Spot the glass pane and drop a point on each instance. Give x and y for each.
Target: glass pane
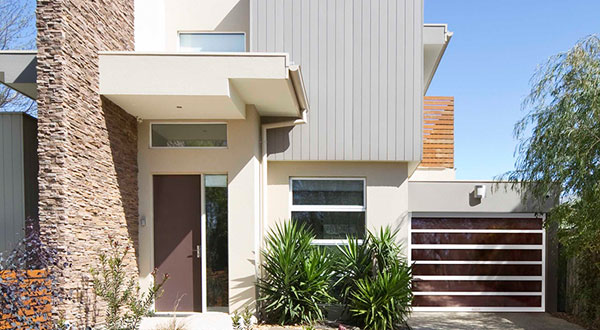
(212, 42)
(189, 135)
(328, 192)
(217, 289)
(333, 225)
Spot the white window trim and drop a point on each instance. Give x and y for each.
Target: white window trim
(189, 123)
(328, 208)
(179, 33)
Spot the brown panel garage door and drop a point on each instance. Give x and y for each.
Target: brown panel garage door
(477, 263)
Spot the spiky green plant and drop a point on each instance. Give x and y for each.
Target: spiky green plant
(297, 276)
(375, 280)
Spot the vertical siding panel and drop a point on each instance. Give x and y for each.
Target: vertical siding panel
(270, 21)
(253, 37)
(366, 78)
(393, 61)
(4, 149)
(294, 11)
(313, 83)
(348, 79)
(322, 92)
(418, 125)
(331, 109)
(409, 85)
(360, 60)
(12, 194)
(279, 27)
(374, 71)
(306, 64)
(383, 74)
(261, 23)
(339, 80)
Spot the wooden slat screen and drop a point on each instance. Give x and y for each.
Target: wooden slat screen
(438, 131)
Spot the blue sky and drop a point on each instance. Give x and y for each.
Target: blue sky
(495, 49)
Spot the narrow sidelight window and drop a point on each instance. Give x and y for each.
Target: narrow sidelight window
(189, 135)
(212, 42)
(217, 288)
(332, 208)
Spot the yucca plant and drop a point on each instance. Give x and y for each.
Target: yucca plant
(375, 280)
(297, 276)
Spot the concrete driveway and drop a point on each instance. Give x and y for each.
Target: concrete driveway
(492, 321)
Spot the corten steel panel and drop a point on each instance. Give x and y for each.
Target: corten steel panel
(476, 223)
(477, 286)
(176, 236)
(362, 63)
(475, 238)
(476, 269)
(476, 255)
(477, 301)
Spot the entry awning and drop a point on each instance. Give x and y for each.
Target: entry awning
(18, 71)
(202, 85)
(435, 40)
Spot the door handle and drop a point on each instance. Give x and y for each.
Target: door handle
(198, 252)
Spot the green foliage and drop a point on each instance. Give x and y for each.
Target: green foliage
(126, 303)
(297, 276)
(559, 149)
(375, 280)
(243, 320)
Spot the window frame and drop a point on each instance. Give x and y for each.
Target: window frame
(151, 146)
(179, 33)
(328, 208)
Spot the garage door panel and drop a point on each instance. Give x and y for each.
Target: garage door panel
(477, 223)
(475, 286)
(476, 255)
(476, 238)
(477, 263)
(487, 270)
(477, 301)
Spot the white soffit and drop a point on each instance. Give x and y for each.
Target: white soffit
(18, 71)
(200, 85)
(435, 40)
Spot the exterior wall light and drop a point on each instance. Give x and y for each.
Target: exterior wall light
(479, 191)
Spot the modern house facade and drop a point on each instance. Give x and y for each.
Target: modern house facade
(188, 129)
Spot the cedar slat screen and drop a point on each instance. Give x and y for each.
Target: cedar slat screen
(438, 131)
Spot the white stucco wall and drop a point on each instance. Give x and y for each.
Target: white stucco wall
(387, 190)
(433, 174)
(157, 22)
(240, 161)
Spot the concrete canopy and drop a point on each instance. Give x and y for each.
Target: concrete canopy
(18, 71)
(202, 85)
(435, 40)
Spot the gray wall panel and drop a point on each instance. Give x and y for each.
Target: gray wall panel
(12, 194)
(361, 63)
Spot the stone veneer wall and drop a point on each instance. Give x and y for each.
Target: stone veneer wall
(87, 145)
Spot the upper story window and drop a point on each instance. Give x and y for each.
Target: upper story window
(333, 208)
(212, 42)
(175, 135)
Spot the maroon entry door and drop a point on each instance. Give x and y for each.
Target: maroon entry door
(177, 241)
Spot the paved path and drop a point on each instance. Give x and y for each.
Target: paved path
(490, 321)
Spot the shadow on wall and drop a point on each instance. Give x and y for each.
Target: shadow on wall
(122, 134)
(237, 20)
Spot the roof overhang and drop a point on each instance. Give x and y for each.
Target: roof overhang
(18, 71)
(202, 85)
(435, 40)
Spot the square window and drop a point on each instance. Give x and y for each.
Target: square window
(333, 208)
(212, 42)
(189, 135)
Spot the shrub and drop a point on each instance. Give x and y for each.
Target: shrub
(375, 280)
(31, 256)
(297, 276)
(126, 303)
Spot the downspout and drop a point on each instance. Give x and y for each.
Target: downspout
(300, 91)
